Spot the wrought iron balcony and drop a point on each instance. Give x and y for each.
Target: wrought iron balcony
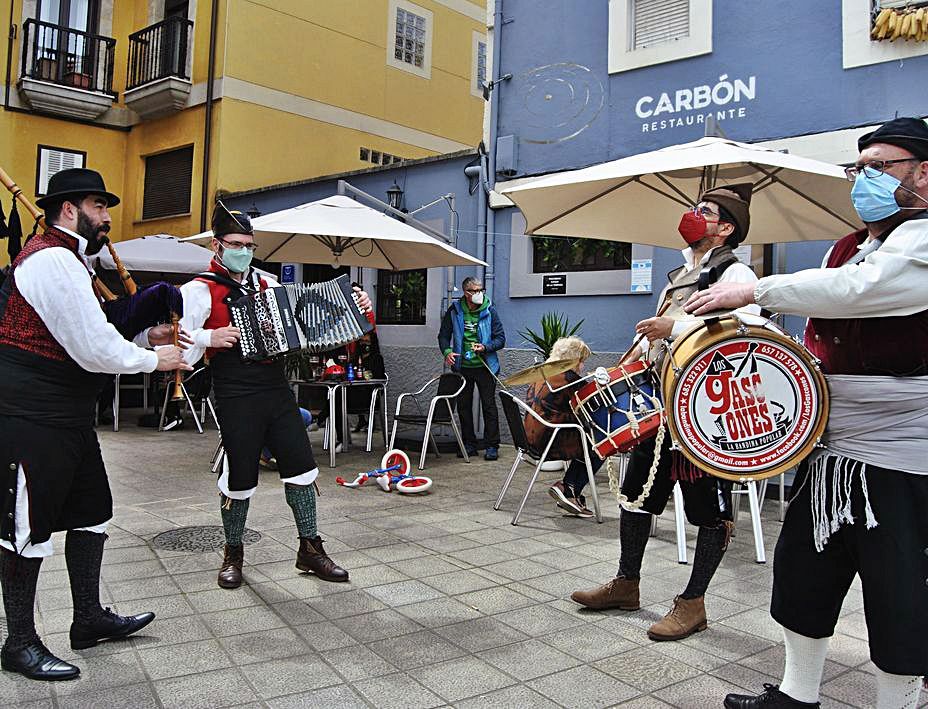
(158, 52)
(60, 55)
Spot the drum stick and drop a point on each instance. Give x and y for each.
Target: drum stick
(640, 337)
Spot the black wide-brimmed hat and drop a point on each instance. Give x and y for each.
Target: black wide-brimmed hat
(907, 133)
(736, 200)
(229, 221)
(75, 181)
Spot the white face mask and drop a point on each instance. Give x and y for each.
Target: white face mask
(477, 298)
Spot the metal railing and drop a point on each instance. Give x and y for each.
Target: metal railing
(159, 51)
(61, 55)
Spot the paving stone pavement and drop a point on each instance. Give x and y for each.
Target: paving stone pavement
(448, 604)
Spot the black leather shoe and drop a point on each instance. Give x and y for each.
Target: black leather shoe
(108, 627)
(772, 698)
(36, 662)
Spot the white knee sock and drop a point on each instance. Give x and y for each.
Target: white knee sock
(897, 691)
(805, 661)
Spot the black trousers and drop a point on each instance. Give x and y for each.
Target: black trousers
(891, 559)
(486, 386)
(706, 500)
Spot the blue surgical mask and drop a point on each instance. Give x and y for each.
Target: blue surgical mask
(236, 260)
(874, 198)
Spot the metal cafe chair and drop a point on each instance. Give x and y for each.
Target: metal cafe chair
(515, 410)
(440, 411)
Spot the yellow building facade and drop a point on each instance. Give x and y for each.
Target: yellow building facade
(299, 89)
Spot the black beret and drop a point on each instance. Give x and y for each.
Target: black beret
(908, 133)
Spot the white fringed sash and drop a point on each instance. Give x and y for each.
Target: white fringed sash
(878, 421)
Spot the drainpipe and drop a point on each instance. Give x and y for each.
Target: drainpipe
(490, 173)
(208, 118)
(9, 56)
(478, 172)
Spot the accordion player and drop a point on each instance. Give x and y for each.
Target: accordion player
(314, 317)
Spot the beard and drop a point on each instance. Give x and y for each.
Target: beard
(95, 233)
(905, 197)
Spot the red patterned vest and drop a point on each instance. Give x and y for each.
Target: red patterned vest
(219, 315)
(20, 326)
(893, 346)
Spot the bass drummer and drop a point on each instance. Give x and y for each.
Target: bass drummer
(858, 506)
(717, 224)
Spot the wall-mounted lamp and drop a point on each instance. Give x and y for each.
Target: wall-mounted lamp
(395, 196)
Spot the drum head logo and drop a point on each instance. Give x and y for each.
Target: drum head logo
(744, 405)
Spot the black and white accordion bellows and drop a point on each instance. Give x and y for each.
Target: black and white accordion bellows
(314, 317)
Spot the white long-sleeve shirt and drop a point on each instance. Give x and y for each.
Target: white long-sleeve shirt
(59, 288)
(736, 273)
(891, 281)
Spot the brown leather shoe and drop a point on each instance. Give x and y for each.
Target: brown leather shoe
(230, 574)
(687, 616)
(312, 557)
(618, 593)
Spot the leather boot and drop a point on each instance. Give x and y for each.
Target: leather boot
(687, 616)
(618, 593)
(230, 574)
(312, 557)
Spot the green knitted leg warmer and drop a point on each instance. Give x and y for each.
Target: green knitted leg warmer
(302, 500)
(234, 514)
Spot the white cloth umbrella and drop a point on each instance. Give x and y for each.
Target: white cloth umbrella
(159, 253)
(343, 232)
(640, 198)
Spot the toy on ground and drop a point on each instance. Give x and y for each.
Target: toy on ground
(392, 473)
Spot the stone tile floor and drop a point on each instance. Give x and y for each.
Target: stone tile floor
(448, 604)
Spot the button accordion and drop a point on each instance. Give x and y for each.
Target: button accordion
(314, 317)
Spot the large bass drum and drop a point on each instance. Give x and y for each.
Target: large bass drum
(743, 400)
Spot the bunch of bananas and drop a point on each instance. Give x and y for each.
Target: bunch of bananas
(904, 24)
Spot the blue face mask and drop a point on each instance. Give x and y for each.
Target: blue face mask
(236, 260)
(874, 198)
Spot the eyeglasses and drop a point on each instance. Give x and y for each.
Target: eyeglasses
(474, 292)
(239, 245)
(705, 211)
(874, 168)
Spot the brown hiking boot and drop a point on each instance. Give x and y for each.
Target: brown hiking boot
(687, 616)
(230, 573)
(618, 593)
(312, 557)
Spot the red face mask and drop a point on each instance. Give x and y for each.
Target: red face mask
(693, 226)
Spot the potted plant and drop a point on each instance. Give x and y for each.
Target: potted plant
(553, 327)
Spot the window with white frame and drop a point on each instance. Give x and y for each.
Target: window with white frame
(478, 64)
(409, 38)
(859, 48)
(52, 160)
(647, 32)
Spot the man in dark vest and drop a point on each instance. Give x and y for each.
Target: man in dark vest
(55, 345)
(254, 403)
(718, 223)
(858, 505)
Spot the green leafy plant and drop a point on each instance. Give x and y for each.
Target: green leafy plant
(554, 326)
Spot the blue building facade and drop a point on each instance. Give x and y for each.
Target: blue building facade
(573, 86)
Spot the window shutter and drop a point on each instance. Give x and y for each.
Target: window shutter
(658, 21)
(168, 178)
(52, 160)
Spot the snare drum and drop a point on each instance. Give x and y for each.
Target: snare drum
(619, 415)
(744, 400)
